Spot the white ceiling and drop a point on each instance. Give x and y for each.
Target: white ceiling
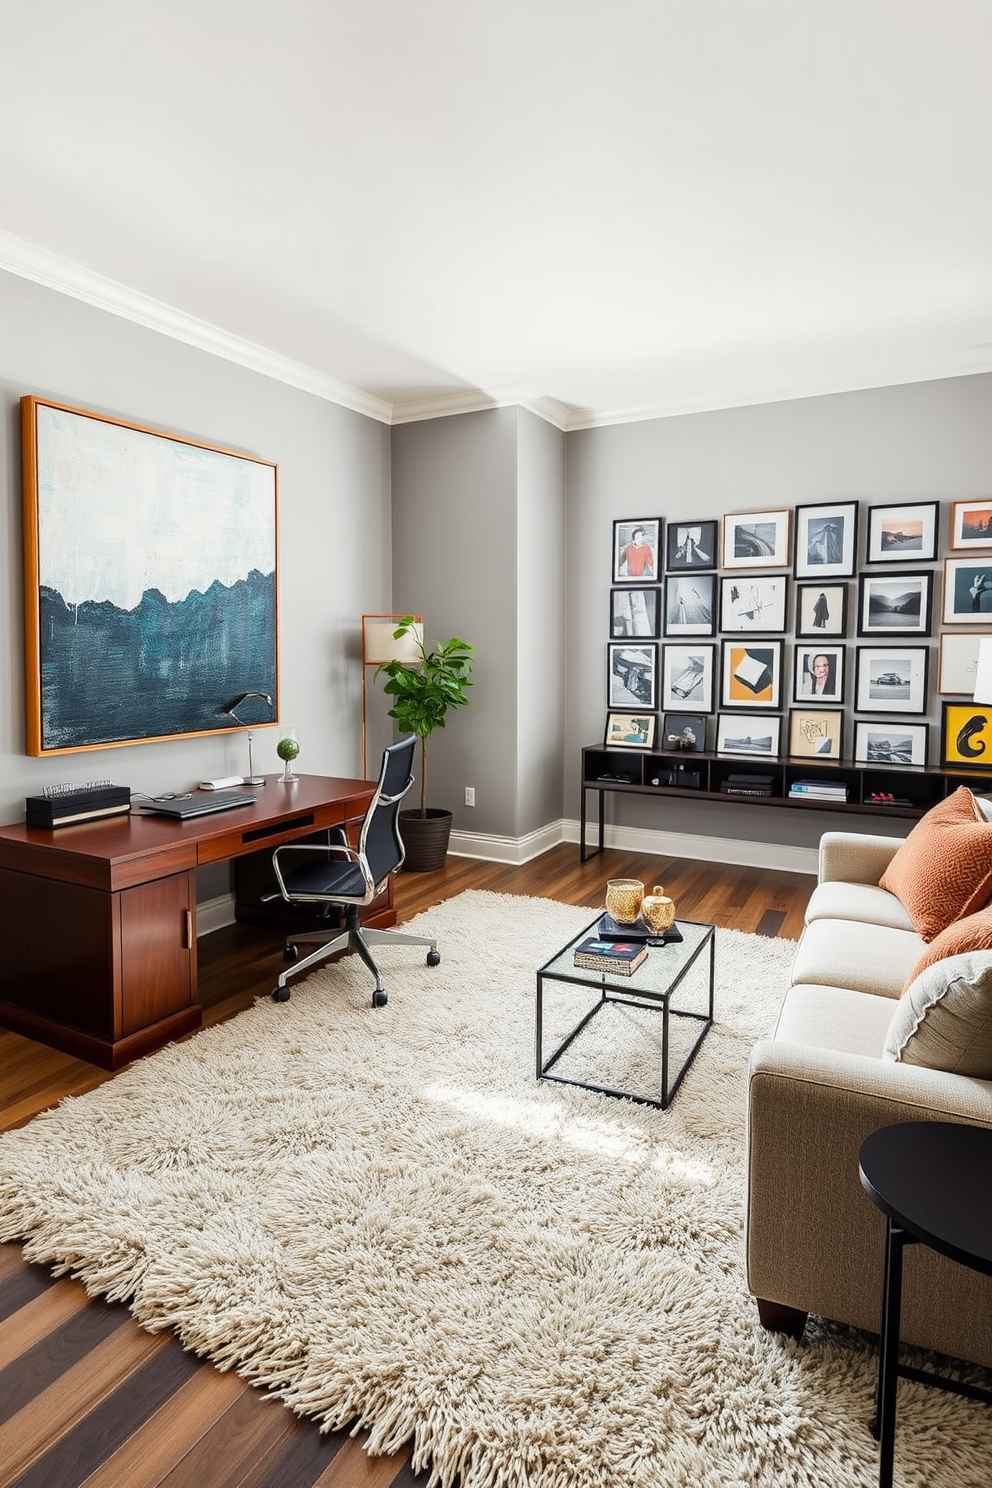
(606, 208)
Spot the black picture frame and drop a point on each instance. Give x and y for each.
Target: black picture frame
(965, 736)
(632, 675)
(883, 600)
(635, 613)
(891, 679)
(826, 621)
(690, 604)
(748, 600)
(691, 545)
(805, 672)
(690, 727)
(751, 670)
(688, 676)
(632, 538)
(889, 742)
(903, 532)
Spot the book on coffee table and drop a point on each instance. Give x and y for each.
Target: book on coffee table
(620, 957)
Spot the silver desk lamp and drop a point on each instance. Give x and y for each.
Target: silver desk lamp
(251, 778)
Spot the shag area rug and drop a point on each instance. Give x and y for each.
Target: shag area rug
(381, 1215)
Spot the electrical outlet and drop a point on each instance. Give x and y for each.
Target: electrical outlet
(470, 795)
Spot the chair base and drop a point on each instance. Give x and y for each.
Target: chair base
(352, 938)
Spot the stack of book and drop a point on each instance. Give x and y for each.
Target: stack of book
(818, 790)
(620, 957)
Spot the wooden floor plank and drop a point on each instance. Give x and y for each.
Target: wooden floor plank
(354, 1468)
(39, 1317)
(251, 1433)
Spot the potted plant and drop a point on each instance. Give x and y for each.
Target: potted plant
(424, 691)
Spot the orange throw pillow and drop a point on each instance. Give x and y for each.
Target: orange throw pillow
(943, 870)
(973, 933)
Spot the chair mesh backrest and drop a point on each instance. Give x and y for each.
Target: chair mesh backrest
(380, 839)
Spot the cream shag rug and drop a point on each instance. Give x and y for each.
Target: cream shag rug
(382, 1215)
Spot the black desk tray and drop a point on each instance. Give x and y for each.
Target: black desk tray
(609, 929)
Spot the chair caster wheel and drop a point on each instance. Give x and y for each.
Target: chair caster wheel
(291, 953)
(281, 994)
(379, 998)
(433, 958)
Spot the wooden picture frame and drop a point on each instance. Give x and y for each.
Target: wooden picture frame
(891, 679)
(903, 532)
(826, 540)
(957, 668)
(752, 674)
(894, 604)
(630, 730)
(971, 524)
(753, 604)
(691, 545)
(635, 612)
(150, 581)
(968, 591)
(636, 550)
(966, 736)
(884, 743)
(757, 539)
(816, 733)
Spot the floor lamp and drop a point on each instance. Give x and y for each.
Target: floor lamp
(378, 646)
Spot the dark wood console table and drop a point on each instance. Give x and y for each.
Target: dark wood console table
(98, 921)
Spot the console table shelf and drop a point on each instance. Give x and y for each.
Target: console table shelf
(685, 776)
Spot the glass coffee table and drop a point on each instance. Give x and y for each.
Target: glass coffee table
(652, 989)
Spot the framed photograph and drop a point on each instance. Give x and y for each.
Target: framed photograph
(958, 667)
(685, 731)
(687, 673)
(968, 591)
(895, 604)
(635, 550)
(150, 576)
(752, 674)
(753, 734)
(755, 603)
(971, 524)
(891, 679)
(818, 674)
(630, 730)
(691, 545)
(632, 675)
(635, 612)
(826, 541)
(966, 735)
(890, 743)
(815, 733)
(904, 533)
(690, 607)
(756, 539)
(821, 610)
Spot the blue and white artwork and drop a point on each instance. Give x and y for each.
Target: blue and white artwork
(155, 568)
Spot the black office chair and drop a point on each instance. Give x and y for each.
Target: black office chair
(345, 878)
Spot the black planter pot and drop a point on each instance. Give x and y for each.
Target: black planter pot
(425, 839)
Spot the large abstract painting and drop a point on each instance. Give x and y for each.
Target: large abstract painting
(150, 581)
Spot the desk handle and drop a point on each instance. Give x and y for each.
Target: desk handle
(189, 930)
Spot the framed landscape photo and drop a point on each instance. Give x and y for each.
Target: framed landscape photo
(689, 604)
(757, 539)
(895, 604)
(752, 674)
(891, 679)
(968, 591)
(632, 675)
(958, 666)
(903, 533)
(966, 735)
(687, 678)
(755, 602)
(630, 731)
(826, 540)
(821, 611)
(815, 733)
(971, 524)
(635, 550)
(755, 735)
(634, 612)
(890, 743)
(691, 545)
(818, 674)
(684, 731)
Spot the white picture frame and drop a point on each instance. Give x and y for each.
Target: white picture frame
(957, 664)
(826, 540)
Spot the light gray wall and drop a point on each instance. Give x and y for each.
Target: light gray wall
(919, 442)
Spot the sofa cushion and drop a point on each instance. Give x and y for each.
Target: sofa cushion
(973, 933)
(943, 870)
(945, 1019)
(823, 1017)
(847, 953)
(853, 901)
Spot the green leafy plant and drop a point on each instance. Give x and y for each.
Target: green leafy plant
(425, 690)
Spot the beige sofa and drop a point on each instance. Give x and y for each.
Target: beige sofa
(816, 1089)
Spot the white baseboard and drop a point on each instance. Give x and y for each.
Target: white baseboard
(507, 849)
(214, 914)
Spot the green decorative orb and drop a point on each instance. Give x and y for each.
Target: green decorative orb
(287, 749)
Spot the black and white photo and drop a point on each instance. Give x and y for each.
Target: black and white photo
(821, 610)
(689, 604)
(687, 673)
(753, 602)
(891, 679)
(826, 540)
(632, 674)
(958, 666)
(890, 743)
(757, 539)
(634, 612)
(691, 545)
(748, 734)
(818, 674)
(684, 731)
(968, 591)
(894, 604)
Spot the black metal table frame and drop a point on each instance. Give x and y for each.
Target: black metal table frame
(611, 991)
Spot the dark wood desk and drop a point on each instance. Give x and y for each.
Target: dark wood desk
(98, 921)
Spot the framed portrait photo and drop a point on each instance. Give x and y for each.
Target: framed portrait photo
(818, 674)
(752, 674)
(821, 610)
(690, 607)
(684, 731)
(687, 678)
(634, 612)
(632, 671)
(968, 591)
(630, 731)
(891, 679)
(826, 540)
(815, 733)
(966, 735)
(906, 533)
(691, 545)
(755, 735)
(757, 539)
(754, 602)
(971, 524)
(635, 550)
(890, 743)
(895, 604)
(957, 671)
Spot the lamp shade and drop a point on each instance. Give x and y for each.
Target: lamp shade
(983, 672)
(379, 644)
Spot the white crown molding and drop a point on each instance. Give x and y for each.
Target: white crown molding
(480, 400)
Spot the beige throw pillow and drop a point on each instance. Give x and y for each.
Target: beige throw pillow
(944, 1019)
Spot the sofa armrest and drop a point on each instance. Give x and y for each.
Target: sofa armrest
(850, 857)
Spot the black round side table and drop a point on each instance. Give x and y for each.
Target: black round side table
(930, 1180)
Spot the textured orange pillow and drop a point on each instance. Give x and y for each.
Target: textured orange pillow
(943, 870)
(973, 933)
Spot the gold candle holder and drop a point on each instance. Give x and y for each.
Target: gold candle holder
(623, 899)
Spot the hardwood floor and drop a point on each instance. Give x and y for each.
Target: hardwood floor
(88, 1398)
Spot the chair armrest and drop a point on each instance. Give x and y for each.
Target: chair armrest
(850, 857)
